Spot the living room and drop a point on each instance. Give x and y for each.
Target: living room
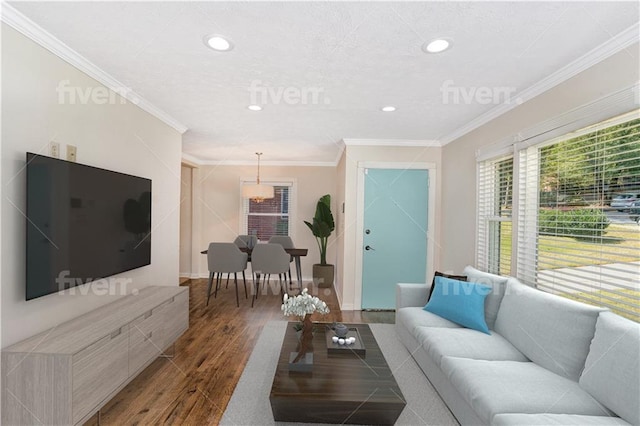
(94, 80)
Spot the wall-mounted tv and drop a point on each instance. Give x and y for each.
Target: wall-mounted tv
(83, 224)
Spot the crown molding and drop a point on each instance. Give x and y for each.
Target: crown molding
(191, 159)
(393, 142)
(610, 47)
(33, 31)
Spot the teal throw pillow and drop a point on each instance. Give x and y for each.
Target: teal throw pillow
(460, 302)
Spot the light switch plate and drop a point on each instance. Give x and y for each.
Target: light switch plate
(54, 149)
(71, 153)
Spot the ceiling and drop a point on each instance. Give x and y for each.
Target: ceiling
(339, 63)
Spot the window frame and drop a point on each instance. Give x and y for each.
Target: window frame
(527, 157)
(487, 205)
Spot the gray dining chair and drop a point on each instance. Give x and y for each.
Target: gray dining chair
(246, 241)
(267, 259)
(226, 258)
(286, 242)
(243, 241)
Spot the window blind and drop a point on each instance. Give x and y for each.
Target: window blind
(571, 241)
(269, 217)
(495, 194)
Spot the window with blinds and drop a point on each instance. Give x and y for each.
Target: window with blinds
(495, 194)
(269, 217)
(571, 241)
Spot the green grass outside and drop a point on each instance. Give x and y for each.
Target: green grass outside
(505, 248)
(620, 243)
(594, 298)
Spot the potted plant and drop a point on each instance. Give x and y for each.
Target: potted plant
(302, 306)
(322, 227)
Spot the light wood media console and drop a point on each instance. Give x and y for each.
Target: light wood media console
(64, 375)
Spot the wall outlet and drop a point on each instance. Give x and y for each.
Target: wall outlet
(54, 149)
(71, 153)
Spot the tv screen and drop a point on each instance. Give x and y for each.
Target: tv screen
(83, 224)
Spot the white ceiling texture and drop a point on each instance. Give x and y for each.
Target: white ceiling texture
(322, 70)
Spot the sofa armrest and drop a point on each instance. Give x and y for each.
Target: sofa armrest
(411, 295)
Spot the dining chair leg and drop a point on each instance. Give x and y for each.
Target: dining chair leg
(256, 283)
(209, 287)
(235, 279)
(228, 280)
(290, 282)
(218, 282)
(244, 280)
(253, 279)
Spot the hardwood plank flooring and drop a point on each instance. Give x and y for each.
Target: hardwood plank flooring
(194, 387)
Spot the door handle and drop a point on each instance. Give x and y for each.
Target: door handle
(368, 248)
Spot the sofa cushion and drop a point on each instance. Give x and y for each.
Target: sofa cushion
(545, 419)
(492, 302)
(612, 370)
(460, 302)
(413, 317)
(442, 274)
(465, 343)
(552, 331)
(494, 387)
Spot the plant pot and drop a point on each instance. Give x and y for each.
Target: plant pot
(323, 275)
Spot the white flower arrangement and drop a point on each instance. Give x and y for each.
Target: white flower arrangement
(303, 304)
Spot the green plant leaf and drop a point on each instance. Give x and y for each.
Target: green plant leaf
(323, 225)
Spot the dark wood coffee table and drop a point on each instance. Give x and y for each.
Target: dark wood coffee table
(342, 388)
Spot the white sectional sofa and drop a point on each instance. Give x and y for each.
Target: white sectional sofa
(547, 361)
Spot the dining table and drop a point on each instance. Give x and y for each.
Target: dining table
(296, 253)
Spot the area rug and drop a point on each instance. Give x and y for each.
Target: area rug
(249, 404)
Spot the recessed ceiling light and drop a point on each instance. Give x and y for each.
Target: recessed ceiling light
(255, 107)
(218, 42)
(437, 45)
(388, 108)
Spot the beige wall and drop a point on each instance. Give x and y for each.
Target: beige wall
(348, 167)
(116, 136)
(459, 156)
(218, 201)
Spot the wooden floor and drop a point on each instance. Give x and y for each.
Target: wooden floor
(195, 386)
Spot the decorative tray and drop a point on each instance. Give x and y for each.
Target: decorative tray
(356, 347)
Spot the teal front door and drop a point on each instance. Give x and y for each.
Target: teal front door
(395, 233)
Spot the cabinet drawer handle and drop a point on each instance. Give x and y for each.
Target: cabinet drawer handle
(116, 333)
(163, 304)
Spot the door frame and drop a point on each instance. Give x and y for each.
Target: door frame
(431, 210)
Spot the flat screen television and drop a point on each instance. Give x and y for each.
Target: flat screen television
(83, 224)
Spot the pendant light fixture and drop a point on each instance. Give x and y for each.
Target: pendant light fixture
(258, 192)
